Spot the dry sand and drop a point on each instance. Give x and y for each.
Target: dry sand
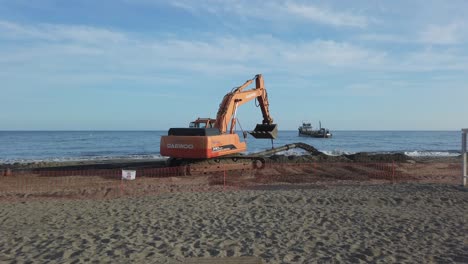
(414, 223)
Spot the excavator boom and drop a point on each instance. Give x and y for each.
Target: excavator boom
(228, 108)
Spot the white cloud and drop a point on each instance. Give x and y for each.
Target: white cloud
(183, 5)
(453, 33)
(60, 44)
(333, 53)
(435, 59)
(58, 50)
(326, 16)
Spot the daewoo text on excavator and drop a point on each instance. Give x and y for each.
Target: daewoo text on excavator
(215, 140)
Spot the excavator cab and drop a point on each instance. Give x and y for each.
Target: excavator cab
(202, 123)
(268, 131)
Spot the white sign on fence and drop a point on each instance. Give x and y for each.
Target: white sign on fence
(128, 174)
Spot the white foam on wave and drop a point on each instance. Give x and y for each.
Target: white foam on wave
(292, 152)
(300, 152)
(431, 154)
(337, 152)
(73, 159)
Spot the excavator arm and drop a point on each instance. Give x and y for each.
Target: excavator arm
(263, 102)
(226, 116)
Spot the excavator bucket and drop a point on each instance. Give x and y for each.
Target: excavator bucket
(265, 131)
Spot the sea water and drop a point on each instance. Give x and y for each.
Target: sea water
(32, 146)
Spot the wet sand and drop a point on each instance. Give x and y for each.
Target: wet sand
(414, 223)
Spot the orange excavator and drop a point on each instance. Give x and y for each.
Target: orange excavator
(208, 138)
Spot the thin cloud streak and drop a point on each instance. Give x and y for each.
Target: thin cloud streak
(273, 11)
(57, 32)
(326, 16)
(455, 33)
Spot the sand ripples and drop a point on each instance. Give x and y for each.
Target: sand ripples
(386, 223)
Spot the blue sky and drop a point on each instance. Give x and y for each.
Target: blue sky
(149, 64)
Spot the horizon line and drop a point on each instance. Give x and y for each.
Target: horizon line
(158, 130)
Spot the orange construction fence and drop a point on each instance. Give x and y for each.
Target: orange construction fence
(108, 183)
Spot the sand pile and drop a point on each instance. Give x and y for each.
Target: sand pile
(369, 223)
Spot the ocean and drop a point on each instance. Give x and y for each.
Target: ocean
(35, 146)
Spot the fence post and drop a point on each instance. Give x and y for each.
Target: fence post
(464, 156)
(224, 178)
(393, 171)
(121, 184)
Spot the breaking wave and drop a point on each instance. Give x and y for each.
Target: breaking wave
(432, 153)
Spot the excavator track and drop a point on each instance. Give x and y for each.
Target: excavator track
(254, 161)
(191, 167)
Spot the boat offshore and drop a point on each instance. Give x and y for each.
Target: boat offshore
(307, 130)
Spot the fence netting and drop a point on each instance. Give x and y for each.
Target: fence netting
(56, 183)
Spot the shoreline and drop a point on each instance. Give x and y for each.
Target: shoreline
(161, 162)
(87, 164)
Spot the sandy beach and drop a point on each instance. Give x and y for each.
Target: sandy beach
(413, 223)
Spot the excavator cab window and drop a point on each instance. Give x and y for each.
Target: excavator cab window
(200, 125)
